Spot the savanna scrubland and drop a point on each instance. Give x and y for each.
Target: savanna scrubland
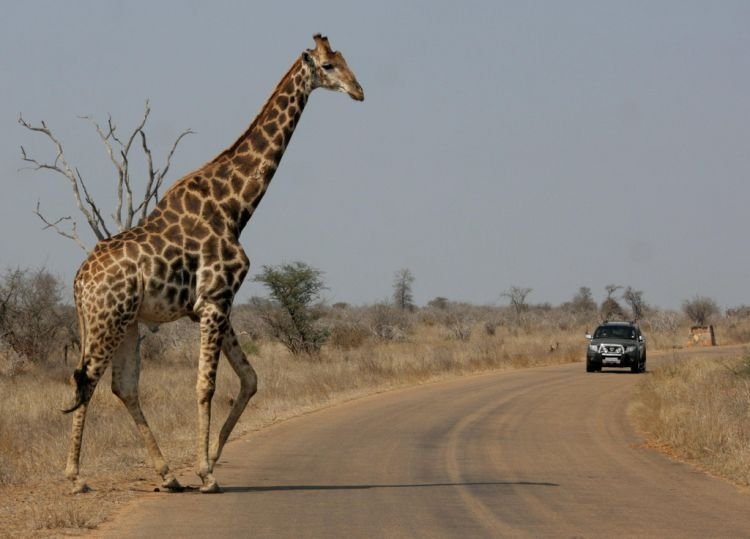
(362, 349)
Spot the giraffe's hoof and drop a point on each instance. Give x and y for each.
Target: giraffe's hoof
(80, 487)
(211, 487)
(172, 485)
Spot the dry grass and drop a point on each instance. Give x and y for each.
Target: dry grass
(698, 409)
(33, 433)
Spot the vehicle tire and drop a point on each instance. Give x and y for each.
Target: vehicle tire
(590, 367)
(638, 366)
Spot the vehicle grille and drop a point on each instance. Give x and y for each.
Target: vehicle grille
(612, 349)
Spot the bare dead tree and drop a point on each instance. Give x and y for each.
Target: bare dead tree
(517, 297)
(128, 211)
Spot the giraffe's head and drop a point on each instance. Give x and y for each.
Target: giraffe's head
(330, 70)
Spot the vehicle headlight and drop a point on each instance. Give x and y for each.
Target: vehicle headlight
(594, 347)
(630, 348)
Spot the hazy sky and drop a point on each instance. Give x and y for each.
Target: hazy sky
(548, 145)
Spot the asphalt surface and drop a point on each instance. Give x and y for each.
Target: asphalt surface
(546, 452)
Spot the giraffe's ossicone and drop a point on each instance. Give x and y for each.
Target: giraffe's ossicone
(185, 259)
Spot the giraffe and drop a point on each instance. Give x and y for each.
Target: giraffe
(185, 260)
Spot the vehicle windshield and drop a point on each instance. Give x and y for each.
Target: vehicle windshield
(614, 332)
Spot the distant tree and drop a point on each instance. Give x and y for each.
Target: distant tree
(610, 308)
(610, 289)
(634, 298)
(292, 316)
(402, 289)
(700, 310)
(32, 315)
(517, 298)
(129, 208)
(439, 302)
(583, 301)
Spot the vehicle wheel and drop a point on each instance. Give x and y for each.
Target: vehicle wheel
(590, 367)
(638, 366)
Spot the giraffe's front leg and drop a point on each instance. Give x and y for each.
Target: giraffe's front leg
(248, 387)
(214, 323)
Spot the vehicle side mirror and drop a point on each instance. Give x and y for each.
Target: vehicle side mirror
(640, 338)
(588, 336)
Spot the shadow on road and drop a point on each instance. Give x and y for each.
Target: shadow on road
(283, 488)
(616, 372)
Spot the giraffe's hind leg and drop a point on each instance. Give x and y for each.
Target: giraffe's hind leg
(248, 386)
(126, 365)
(74, 451)
(86, 378)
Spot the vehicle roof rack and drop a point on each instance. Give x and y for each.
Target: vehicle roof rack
(631, 322)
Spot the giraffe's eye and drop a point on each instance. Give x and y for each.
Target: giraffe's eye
(327, 66)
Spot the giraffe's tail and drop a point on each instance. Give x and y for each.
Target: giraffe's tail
(83, 389)
(80, 378)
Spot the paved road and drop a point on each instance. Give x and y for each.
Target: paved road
(541, 452)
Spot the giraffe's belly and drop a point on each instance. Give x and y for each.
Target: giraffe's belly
(166, 303)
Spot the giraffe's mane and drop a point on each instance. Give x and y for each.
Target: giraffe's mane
(231, 149)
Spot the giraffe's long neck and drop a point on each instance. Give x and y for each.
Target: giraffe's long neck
(225, 191)
(248, 165)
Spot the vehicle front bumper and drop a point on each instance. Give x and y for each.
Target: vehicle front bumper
(626, 359)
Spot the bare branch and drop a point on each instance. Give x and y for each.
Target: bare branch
(112, 129)
(118, 149)
(125, 151)
(37, 164)
(140, 127)
(100, 222)
(72, 235)
(62, 167)
(171, 153)
(128, 191)
(143, 206)
(106, 138)
(156, 177)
